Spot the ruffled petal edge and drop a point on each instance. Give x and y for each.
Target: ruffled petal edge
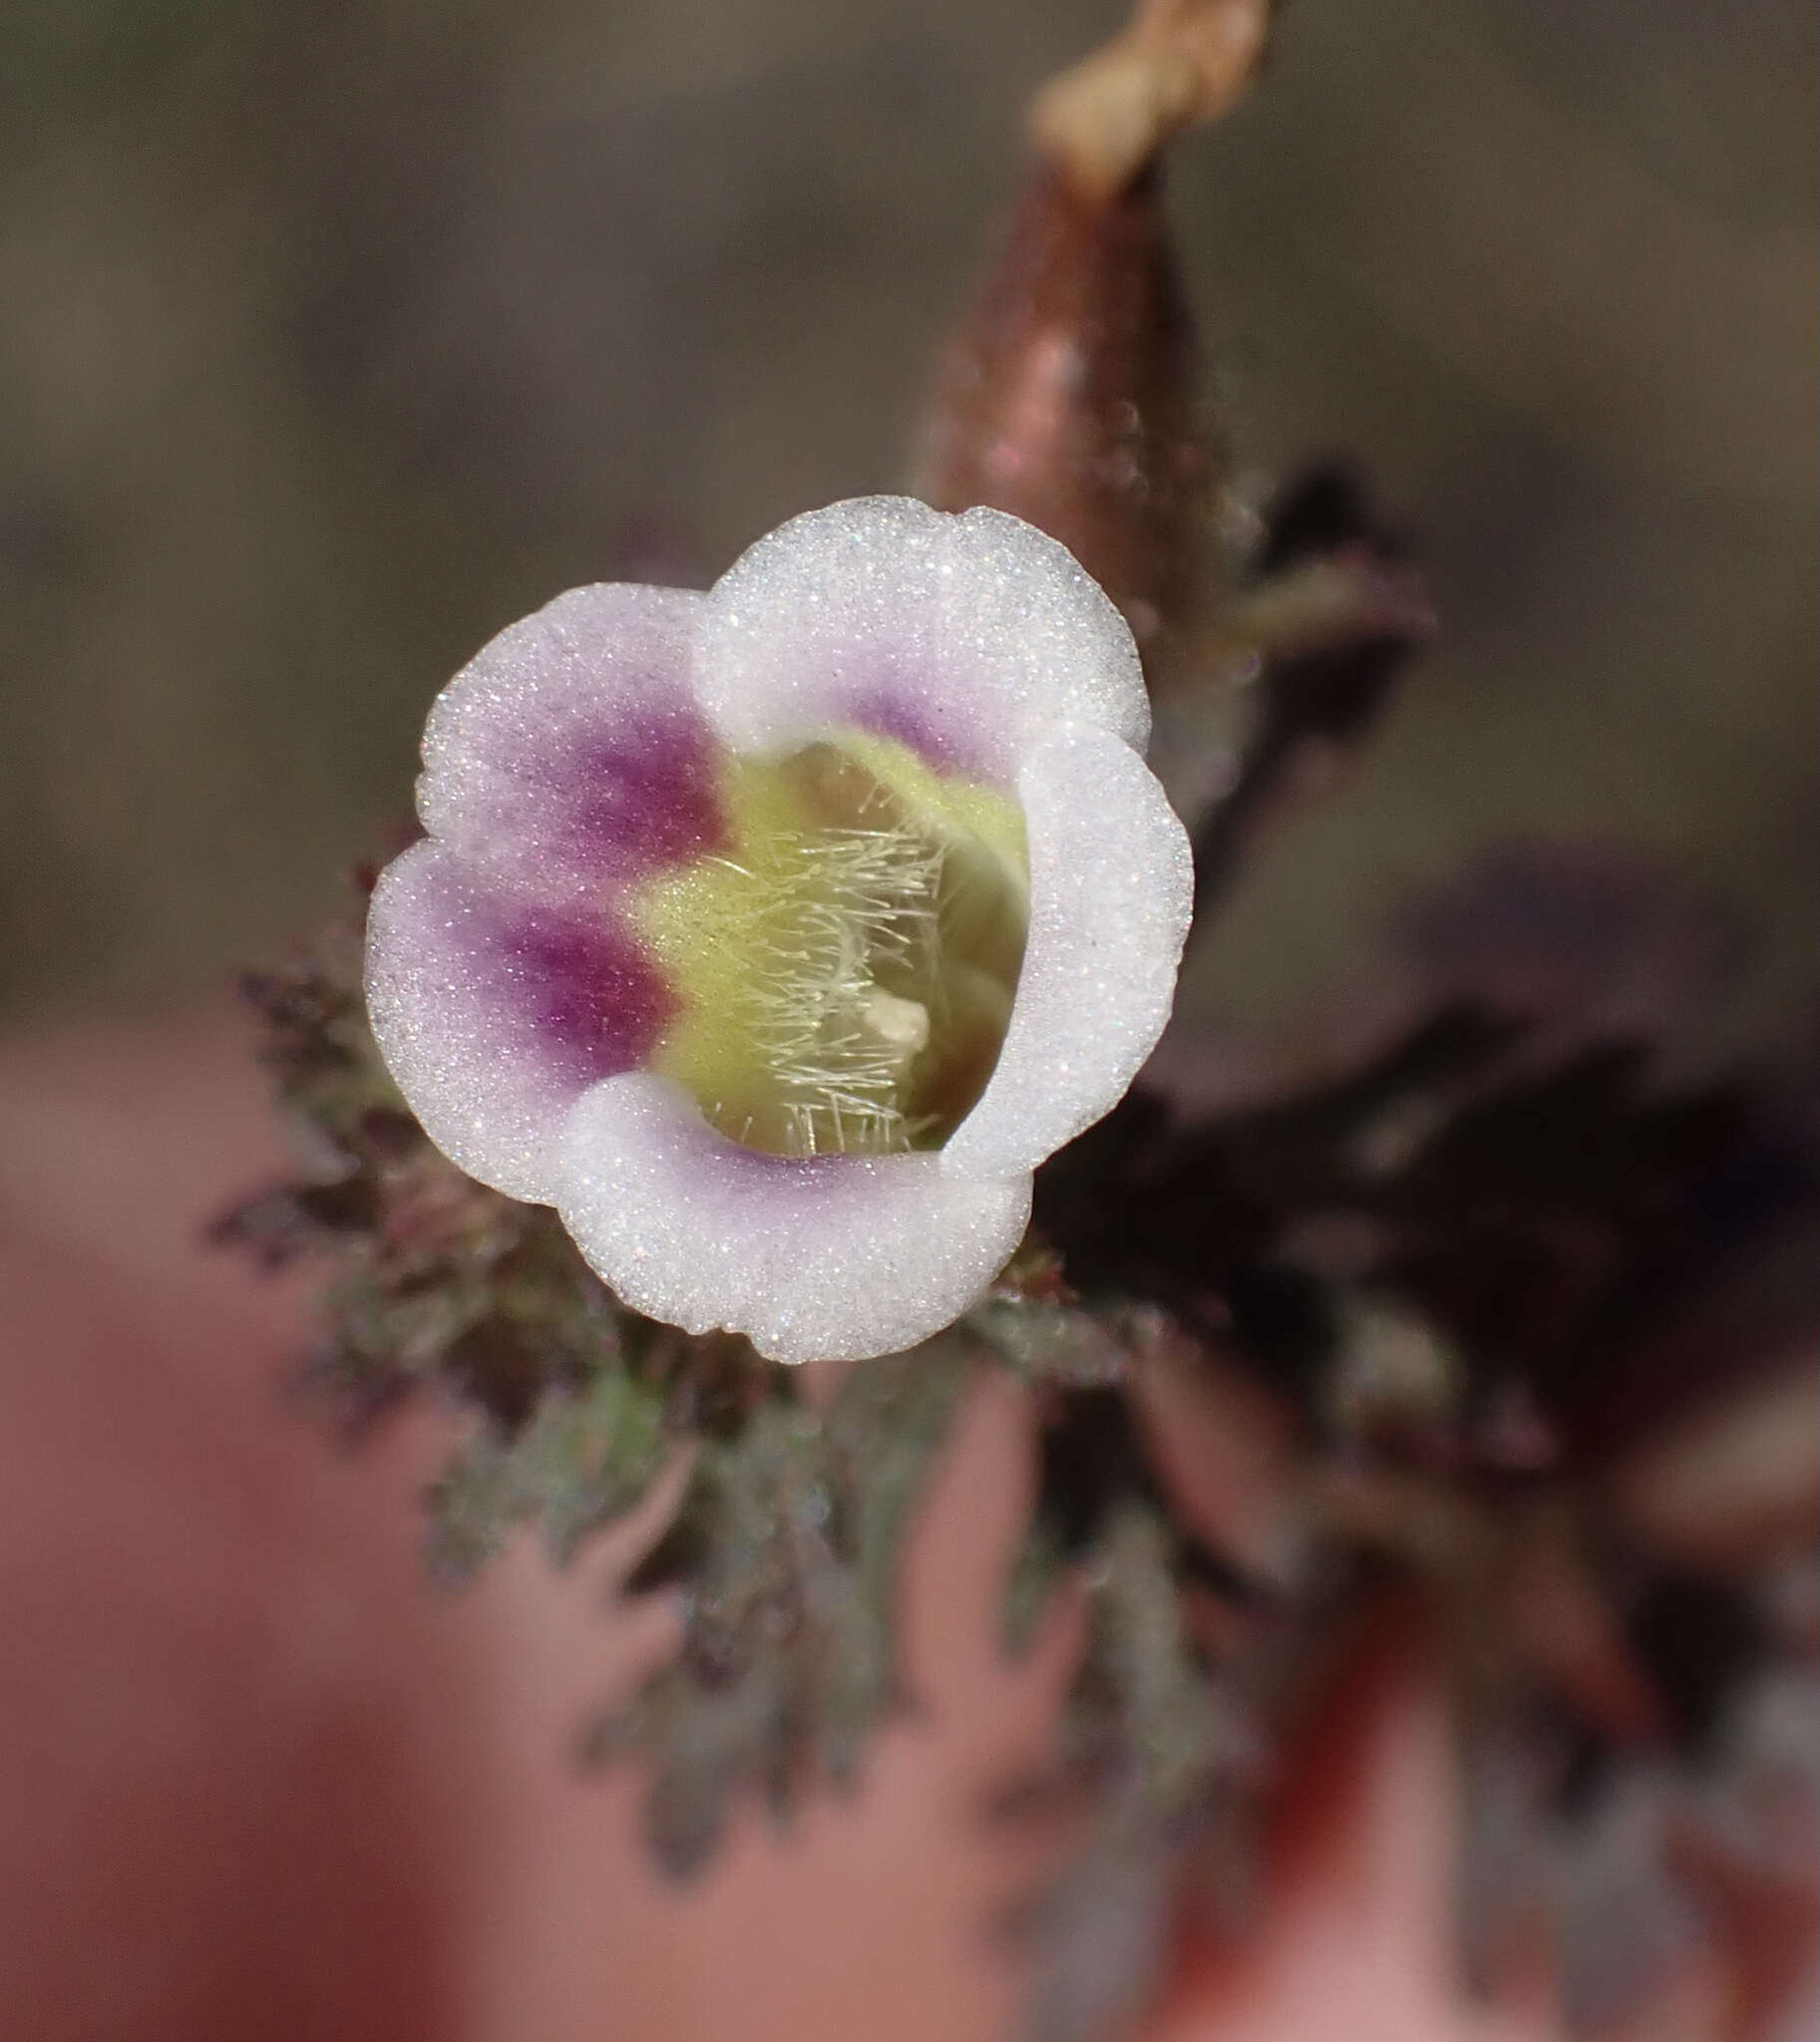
(969, 637)
(1111, 894)
(495, 1013)
(833, 1258)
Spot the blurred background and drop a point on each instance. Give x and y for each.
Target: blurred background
(334, 337)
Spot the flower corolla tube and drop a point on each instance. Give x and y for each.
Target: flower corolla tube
(775, 934)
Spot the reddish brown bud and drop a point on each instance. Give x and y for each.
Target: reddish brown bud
(1068, 394)
(1067, 398)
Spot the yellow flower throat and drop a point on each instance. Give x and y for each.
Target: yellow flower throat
(846, 965)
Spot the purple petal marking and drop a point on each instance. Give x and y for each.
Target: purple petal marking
(569, 755)
(897, 709)
(642, 796)
(495, 1013)
(593, 1003)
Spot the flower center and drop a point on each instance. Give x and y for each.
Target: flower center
(846, 965)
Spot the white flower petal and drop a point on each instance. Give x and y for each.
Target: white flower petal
(494, 1012)
(569, 753)
(970, 637)
(838, 1257)
(1111, 892)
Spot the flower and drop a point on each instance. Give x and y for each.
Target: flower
(775, 934)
